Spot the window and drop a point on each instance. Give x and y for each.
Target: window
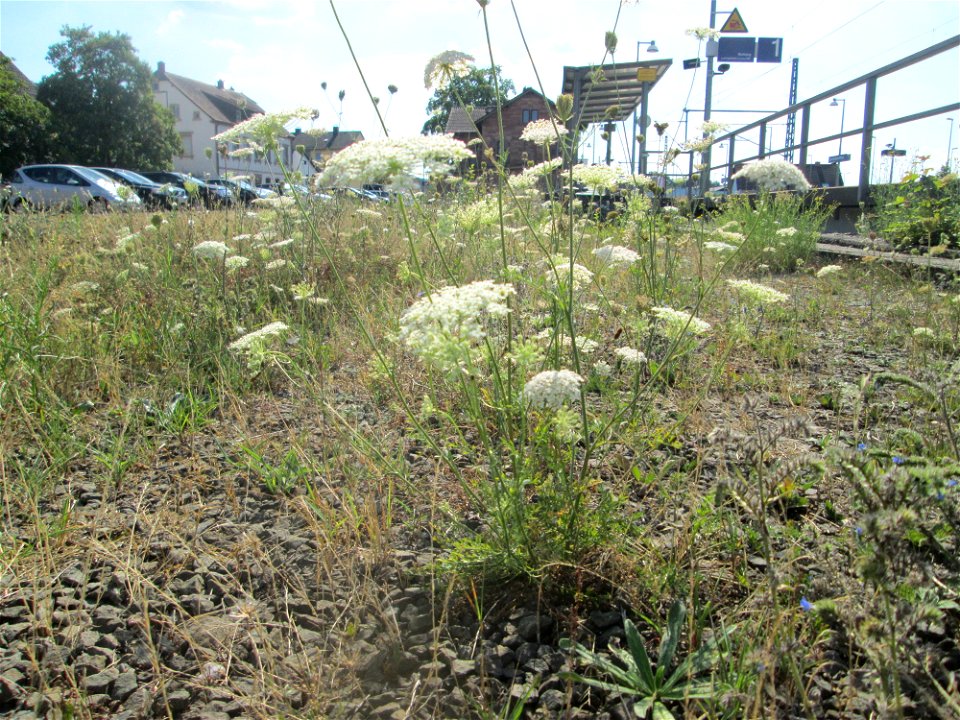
(196, 114)
(529, 116)
(175, 109)
(186, 140)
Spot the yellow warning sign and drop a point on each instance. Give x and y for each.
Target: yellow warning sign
(734, 23)
(646, 75)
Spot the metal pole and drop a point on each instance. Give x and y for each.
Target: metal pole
(949, 143)
(644, 109)
(634, 167)
(866, 145)
(707, 106)
(843, 111)
(893, 158)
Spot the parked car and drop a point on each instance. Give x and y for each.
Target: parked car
(212, 196)
(301, 190)
(243, 191)
(60, 186)
(153, 194)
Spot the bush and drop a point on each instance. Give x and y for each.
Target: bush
(923, 210)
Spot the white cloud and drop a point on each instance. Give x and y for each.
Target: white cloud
(173, 19)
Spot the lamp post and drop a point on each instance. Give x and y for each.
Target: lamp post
(634, 164)
(842, 102)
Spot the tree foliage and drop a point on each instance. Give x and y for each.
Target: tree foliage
(476, 89)
(102, 104)
(24, 122)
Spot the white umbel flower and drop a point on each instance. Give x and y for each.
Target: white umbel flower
(552, 389)
(631, 356)
(678, 322)
(444, 327)
(757, 294)
(213, 249)
(543, 132)
(616, 255)
(773, 174)
(258, 336)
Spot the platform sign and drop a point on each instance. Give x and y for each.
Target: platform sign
(691, 64)
(769, 50)
(737, 49)
(734, 23)
(893, 152)
(834, 159)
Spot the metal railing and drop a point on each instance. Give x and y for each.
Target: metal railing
(866, 130)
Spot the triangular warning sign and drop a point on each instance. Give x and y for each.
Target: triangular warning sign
(734, 23)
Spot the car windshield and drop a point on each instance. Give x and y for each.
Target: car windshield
(92, 175)
(135, 177)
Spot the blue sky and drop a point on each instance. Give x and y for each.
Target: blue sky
(279, 53)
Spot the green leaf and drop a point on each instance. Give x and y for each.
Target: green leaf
(668, 643)
(635, 642)
(660, 712)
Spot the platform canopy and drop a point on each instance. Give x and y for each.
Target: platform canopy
(611, 92)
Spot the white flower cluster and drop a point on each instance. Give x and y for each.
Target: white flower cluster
(729, 236)
(236, 262)
(631, 356)
(478, 215)
(786, 232)
(616, 255)
(445, 66)
(444, 327)
(757, 294)
(394, 161)
(257, 337)
(678, 322)
(829, 270)
(559, 273)
(704, 33)
(773, 174)
(552, 389)
(543, 132)
(212, 249)
(600, 177)
(720, 247)
(265, 128)
(531, 175)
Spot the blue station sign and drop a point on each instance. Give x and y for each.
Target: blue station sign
(737, 49)
(769, 50)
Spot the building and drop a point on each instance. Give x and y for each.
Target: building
(517, 112)
(202, 111)
(317, 149)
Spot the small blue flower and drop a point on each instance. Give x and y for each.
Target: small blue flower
(858, 530)
(805, 604)
(952, 482)
(897, 460)
(861, 447)
(940, 495)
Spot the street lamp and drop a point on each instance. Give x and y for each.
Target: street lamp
(652, 49)
(843, 111)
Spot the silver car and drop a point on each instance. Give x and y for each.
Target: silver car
(63, 186)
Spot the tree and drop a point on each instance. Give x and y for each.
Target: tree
(102, 105)
(24, 122)
(475, 89)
